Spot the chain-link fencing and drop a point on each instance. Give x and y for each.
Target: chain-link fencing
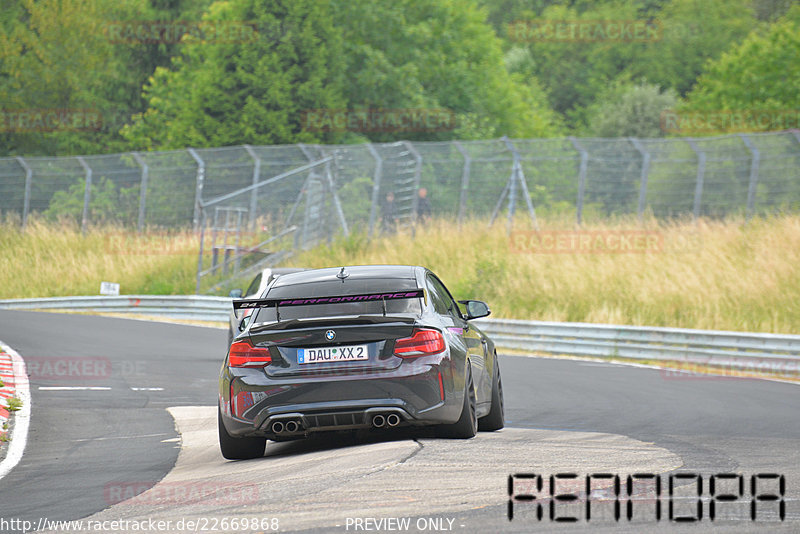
(300, 195)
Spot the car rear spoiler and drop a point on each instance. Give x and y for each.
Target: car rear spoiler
(242, 304)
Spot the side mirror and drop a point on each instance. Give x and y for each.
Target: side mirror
(475, 309)
(236, 293)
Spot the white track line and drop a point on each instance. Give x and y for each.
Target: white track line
(74, 388)
(22, 418)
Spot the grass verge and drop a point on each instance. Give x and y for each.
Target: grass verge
(723, 275)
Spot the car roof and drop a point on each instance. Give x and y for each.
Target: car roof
(354, 272)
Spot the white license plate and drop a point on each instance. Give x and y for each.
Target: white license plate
(332, 354)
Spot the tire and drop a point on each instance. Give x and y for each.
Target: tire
(239, 448)
(467, 425)
(495, 419)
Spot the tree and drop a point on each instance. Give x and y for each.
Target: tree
(57, 55)
(758, 74)
(575, 72)
(693, 32)
(249, 91)
(630, 110)
(438, 54)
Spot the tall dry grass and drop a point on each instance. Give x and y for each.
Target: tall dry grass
(710, 275)
(58, 260)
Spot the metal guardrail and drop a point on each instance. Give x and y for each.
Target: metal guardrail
(195, 307)
(773, 353)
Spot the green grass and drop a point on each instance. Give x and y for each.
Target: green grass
(723, 275)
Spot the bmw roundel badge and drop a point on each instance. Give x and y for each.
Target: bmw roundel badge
(330, 335)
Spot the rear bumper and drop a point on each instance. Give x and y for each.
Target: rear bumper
(251, 403)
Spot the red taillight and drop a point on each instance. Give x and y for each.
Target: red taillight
(243, 354)
(421, 343)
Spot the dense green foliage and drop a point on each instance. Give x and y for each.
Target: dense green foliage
(466, 57)
(766, 68)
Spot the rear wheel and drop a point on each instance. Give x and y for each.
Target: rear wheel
(467, 425)
(495, 419)
(234, 448)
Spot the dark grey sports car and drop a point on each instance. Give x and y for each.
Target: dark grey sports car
(380, 346)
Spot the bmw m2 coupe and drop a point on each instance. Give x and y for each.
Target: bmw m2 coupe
(380, 346)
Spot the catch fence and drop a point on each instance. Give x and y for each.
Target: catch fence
(300, 195)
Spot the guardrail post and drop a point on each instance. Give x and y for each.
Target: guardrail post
(701, 173)
(376, 189)
(86, 193)
(142, 189)
(643, 180)
(462, 200)
(751, 188)
(198, 192)
(581, 177)
(26, 202)
(254, 193)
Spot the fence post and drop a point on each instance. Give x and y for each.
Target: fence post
(86, 193)
(462, 200)
(581, 177)
(198, 192)
(518, 176)
(376, 189)
(751, 188)
(142, 189)
(337, 205)
(200, 254)
(643, 180)
(254, 193)
(26, 202)
(417, 179)
(701, 173)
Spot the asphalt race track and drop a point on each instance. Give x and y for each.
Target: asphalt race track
(148, 422)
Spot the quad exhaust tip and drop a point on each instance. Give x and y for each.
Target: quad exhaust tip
(393, 419)
(378, 421)
(289, 427)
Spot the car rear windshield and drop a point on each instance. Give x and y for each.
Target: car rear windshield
(339, 288)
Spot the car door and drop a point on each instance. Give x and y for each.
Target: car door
(445, 305)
